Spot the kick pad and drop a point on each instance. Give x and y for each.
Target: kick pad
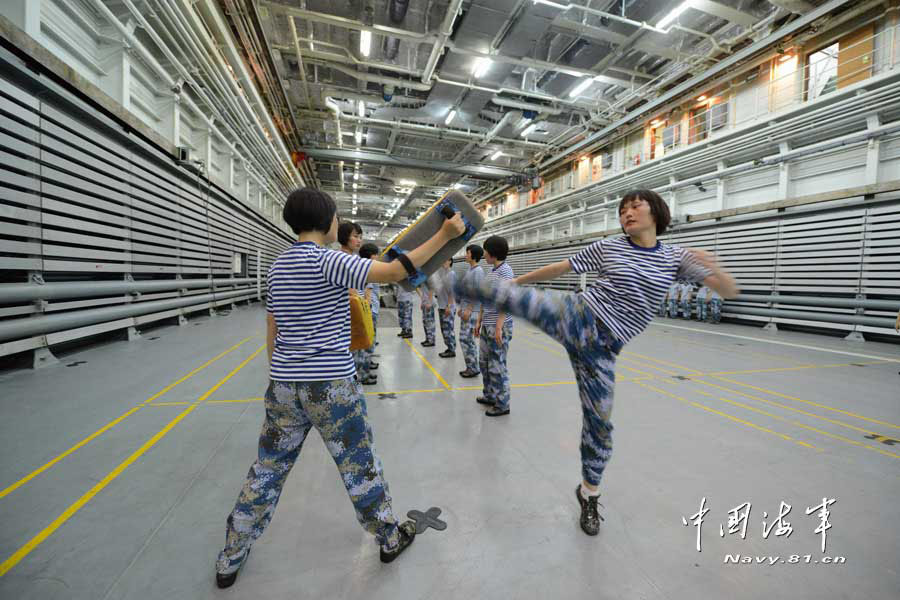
(427, 519)
(426, 226)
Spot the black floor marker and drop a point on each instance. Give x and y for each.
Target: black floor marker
(427, 519)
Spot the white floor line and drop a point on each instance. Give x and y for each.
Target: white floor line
(765, 341)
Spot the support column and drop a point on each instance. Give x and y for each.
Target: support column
(784, 173)
(873, 151)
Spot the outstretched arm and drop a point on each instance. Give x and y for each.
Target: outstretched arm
(720, 280)
(551, 271)
(394, 271)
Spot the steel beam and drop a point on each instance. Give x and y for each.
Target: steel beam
(375, 158)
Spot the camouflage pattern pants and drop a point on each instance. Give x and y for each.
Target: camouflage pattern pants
(468, 343)
(448, 327)
(492, 362)
(405, 315)
(715, 308)
(672, 310)
(364, 361)
(702, 310)
(337, 409)
(685, 308)
(592, 350)
(428, 322)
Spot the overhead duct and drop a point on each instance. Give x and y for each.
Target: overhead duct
(397, 13)
(800, 7)
(538, 108)
(496, 129)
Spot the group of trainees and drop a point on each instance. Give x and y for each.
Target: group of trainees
(680, 299)
(313, 380)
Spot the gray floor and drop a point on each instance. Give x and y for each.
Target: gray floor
(721, 412)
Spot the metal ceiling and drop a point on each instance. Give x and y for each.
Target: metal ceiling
(420, 68)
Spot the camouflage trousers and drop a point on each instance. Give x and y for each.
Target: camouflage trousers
(363, 358)
(715, 309)
(685, 308)
(467, 342)
(337, 409)
(405, 315)
(492, 362)
(448, 327)
(673, 312)
(428, 322)
(592, 350)
(702, 310)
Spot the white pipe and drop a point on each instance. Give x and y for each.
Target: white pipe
(496, 129)
(237, 63)
(300, 62)
(349, 23)
(151, 61)
(347, 60)
(539, 108)
(372, 78)
(445, 33)
(334, 108)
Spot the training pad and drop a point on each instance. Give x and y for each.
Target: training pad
(426, 226)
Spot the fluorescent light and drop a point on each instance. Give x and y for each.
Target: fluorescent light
(497, 155)
(481, 66)
(355, 176)
(362, 109)
(529, 129)
(450, 116)
(407, 182)
(355, 186)
(701, 98)
(457, 186)
(365, 43)
(576, 91)
(553, 4)
(674, 14)
(358, 137)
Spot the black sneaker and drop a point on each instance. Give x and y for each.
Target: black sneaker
(369, 381)
(225, 581)
(374, 366)
(496, 412)
(447, 354)
(428, 344)
(590, 516)
(469, 374)
(407, 334)
(407, 536)
(483, 400)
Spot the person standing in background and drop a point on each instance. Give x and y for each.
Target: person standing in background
(446, 308)
(469, 310)
(427, 302)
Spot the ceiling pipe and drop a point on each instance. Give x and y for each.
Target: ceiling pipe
(336, 110)
(347, 58)
(300, 62)
(349, 23)
(539, 108)
(513, 115)
(372, 78)
(445, 32)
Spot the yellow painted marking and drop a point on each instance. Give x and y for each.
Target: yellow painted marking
(695, 373)
(115, 422)
(810, 402)
(428, 364)
(34, 542)
(732, 417)
(796, 423)
(169, 404)
(564, 355)
(243, 400)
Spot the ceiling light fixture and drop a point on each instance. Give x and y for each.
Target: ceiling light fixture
(529, 129)
(585, 83)
(407, 182)
(450, 116)
(497, 155)
(701, 98)
(553, 4)
(481, 67)
(674, 14)
(365, 43)
(362, 109)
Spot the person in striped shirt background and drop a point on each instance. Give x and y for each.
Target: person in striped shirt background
(313, 379)
(634, 272)
(496, 333)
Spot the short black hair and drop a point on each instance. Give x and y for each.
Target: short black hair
(345, 230)
(658, 207)
(497, 247)
(476, 251)
(307, 209)
(368, 250)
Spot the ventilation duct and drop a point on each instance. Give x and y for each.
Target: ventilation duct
(397, 13)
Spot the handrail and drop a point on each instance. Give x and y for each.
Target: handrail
(11, 293)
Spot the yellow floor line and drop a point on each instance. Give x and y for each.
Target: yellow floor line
(732, 417)
(234, 401)
(6, 491)
(34, 542)
(428, 364)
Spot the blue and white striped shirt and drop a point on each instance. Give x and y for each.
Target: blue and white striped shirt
(308, 295)
(489, 318)
(474, 305)
(374, 303)
(632, 281)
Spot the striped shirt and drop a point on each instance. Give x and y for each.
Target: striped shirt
(308, 295)
(445, 290)
(373, 297)
(632, 281)
(474, 305)
(489, 318)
